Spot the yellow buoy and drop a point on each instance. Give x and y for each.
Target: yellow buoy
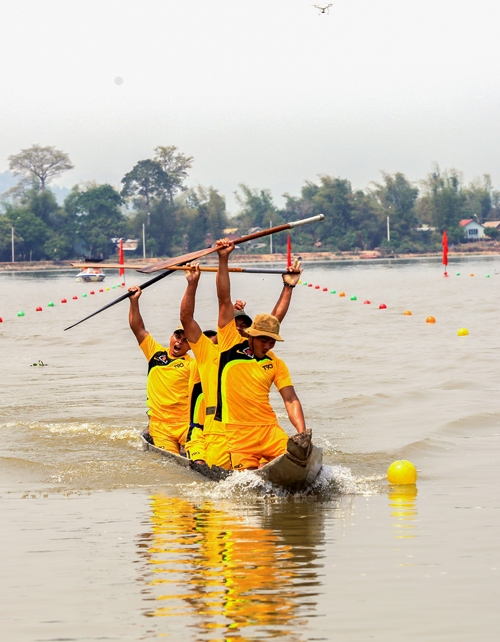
(463, 332)
(407, 313)
(402, 472)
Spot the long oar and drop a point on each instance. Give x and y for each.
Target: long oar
(203, 268)
(193, 256)
(127, 295)
(187, 258)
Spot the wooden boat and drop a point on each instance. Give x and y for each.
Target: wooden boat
(282, 471)
(286, 473)
(178, 459)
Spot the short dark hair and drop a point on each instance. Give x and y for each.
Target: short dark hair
(210, 333)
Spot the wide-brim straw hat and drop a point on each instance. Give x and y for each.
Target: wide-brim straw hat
(265, 325)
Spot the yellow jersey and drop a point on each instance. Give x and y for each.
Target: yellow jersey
(168, 383)
(207, 359)
(244, 381)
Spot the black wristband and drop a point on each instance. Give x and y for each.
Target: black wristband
(288, 285)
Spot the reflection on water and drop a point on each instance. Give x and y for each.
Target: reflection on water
(232, 575)
(402, 502)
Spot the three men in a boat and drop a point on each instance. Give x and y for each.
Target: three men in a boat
(226, 395)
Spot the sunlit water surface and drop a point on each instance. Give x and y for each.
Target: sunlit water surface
(102, 541)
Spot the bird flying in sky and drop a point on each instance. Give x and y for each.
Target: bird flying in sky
(323, 8)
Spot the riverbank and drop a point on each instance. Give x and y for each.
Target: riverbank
(489, 248)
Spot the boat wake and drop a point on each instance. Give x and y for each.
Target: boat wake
(332, 481)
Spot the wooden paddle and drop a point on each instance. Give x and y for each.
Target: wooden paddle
(204, 268)
(187, 258)
(127, 295)
(193, 256)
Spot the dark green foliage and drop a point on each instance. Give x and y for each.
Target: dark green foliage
(146, 181)
(30, 233)
(492, 233)
(95, 217)
(257, 208)
(154, 200)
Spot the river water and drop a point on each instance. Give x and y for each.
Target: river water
(102, 541)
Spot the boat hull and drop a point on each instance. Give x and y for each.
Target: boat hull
(89, 278)
(282, 471)
(178, 459)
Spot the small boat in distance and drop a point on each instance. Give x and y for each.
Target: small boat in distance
(90, 274)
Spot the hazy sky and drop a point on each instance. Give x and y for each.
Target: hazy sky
(266, 92)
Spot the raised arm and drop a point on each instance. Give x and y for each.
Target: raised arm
(192, 330)
(226, 310)
(134, 316)
(293, 408)
(290, 280)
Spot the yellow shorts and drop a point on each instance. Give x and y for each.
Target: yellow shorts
(248, 444)
(168, 436)
(195, 444)
(216, 451)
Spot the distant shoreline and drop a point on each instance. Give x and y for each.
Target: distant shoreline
(306, 257)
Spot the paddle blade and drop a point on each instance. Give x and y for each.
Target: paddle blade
(185, 258)
(193, 256)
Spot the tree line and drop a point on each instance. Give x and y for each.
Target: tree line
(176, 219)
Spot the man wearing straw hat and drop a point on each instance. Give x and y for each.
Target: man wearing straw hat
(206, 440)
(247, 370)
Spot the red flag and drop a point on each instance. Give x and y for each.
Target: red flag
(445, 251)
(288, 252)
(121, 259)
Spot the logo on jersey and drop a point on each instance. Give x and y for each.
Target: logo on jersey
(247, 352)
(179, 365)
(268, 366)
(163, 357)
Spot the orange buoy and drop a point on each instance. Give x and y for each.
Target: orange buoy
(341, 293)
(407, 313)
(430, 320)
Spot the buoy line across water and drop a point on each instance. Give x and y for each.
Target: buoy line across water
(462, 332)
(51, 304)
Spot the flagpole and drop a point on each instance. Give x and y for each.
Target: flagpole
(444, 243)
